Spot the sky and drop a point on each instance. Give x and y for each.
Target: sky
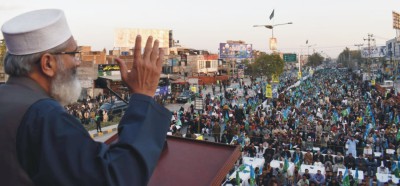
(329, 26)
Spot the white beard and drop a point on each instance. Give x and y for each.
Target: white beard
(65, 86)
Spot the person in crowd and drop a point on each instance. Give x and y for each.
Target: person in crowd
(382, 170)
(352, 146)
(296, 177)
(307, 174)
(361, 163)
(48, 146)
(303, 182)
(224, 137)
(318, 178)
(329, 179)
(318, 156)
(350, 161)
(329, 158)
(216, 130)
(371, 166)
(99, 120)
(299, 154)
(339, 178)
(308, 158)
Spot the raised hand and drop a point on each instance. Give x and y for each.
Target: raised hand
(144, 76)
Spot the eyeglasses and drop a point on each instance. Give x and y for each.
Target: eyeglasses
(76, 54)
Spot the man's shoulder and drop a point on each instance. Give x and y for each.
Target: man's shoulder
(45, 107)
(47, 103)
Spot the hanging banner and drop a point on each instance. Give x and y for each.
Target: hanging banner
(268, 92)
(299, 75)
(272, 43)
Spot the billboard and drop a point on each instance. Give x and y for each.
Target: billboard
(272, 43)
(396, 20)
(125, 37)
(108, 69)
(373, 52)
(233, 50)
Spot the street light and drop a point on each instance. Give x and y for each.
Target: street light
(272, 26)
(272, 44)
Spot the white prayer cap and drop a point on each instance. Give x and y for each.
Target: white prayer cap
(35, 31)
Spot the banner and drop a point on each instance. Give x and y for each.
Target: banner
(268, 92)
(272, 43)
(374, 52)
(126, 37)
(233, 50)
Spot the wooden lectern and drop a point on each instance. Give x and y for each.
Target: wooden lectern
(192, 162)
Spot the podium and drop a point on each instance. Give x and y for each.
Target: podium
(192, 162)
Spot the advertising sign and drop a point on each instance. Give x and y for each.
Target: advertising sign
(232, 50)
(396, 20)
(126, 37)
(373, 52)
(272, 43)
(106, 69)
(161, 90)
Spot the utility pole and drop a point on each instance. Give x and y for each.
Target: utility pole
(369, 39)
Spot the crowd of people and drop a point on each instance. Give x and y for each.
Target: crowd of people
(348, 120)
(88, 111)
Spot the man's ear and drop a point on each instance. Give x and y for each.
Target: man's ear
(48, 65)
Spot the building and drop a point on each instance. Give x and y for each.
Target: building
(3, 49)
(124, 38)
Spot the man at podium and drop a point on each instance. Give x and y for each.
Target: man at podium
(44, 145)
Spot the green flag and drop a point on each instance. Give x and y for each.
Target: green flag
(252, 176)
(346, 178)
(356, 178)
(398, 135)
(242, 167)
(297, 162)
(285, 165)
(397, 171)
(237, 178)
(272, 14)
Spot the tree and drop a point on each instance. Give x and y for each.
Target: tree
(350, 58)
(315, 60)
(266, 65)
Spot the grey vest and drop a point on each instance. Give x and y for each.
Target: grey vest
(16, 96)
